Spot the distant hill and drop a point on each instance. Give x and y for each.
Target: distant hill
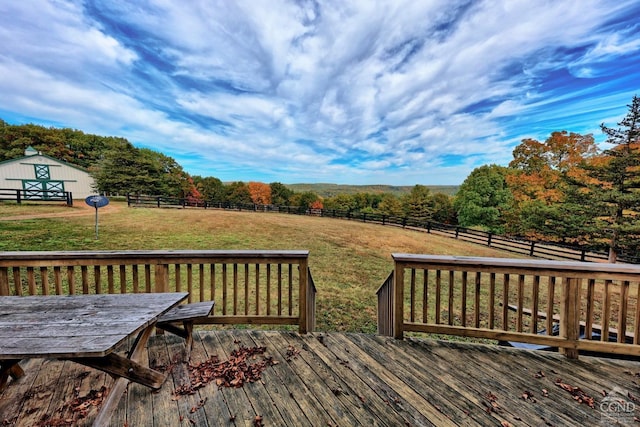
(330, 190)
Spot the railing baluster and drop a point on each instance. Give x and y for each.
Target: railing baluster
(588, 327)
(110, 284)
(450, 306)
(520, 303)
(190, 281)
(4, 282)
(246, 289)
(135, 278)
(71, 280)
(464, 299)
(476, 305)
(235, 289)
(412, 296)
(201, 282)
(97, 279)
(177, 270)
(290, 283)
(279, 289)
(492, 300)
(212, 281)
(425, 296)
(44, 277)
(505, 302)
(31, 280)
(123, 279)
(606, 310)
(268, 289)
(551, 292)
(438, 296)
(622, 316)
(147, 278)
(258, 289)
(535, 294)
(84, 273)
(17, 281)
(224, 289)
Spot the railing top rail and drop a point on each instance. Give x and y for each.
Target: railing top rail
(563, 267)
(157, 254)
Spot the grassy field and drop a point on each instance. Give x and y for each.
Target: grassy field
(348, 259)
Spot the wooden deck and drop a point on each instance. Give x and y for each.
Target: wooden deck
(331, 379)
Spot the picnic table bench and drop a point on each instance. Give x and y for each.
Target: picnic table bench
(179, 320)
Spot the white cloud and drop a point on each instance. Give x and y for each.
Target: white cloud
(295, 87)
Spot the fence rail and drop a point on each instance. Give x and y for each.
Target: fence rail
(540, 249)
(36, 195)
(570, 305)
(249, 287)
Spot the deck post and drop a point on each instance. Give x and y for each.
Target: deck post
(398, 301)
(303, 276)
(162, 278)
(570, 317)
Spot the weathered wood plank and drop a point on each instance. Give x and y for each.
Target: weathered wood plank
(353, 385)
(305, 385)
(241, 411)
(274, 386)
(257, 395)
(339, 379)
(215, 407)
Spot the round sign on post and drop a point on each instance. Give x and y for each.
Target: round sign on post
(97, 202)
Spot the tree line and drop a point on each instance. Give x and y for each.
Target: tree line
(564, 189)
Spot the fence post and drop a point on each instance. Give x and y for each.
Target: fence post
(457, 231)
(364, 217)
(18, 198)
(533, 244)
(570, 317)
(429, 227)
(583, 255)
(158, 201)
(489, 236)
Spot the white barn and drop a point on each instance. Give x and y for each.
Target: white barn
(39, 172)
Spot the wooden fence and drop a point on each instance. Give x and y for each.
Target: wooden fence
(570, 305)
(249, 287)
(540, 249)
(36, 195)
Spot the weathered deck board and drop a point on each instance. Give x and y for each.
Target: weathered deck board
(333, 379)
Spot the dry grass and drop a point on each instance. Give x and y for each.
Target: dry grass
(348, 259)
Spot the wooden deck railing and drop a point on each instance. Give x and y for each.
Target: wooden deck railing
(570, 305)
(248, 287)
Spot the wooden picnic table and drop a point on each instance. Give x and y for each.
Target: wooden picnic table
(86, 329)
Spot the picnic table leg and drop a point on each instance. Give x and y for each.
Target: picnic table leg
(119, 386)
(9, 368)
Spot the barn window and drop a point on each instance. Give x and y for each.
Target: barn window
(42, 172)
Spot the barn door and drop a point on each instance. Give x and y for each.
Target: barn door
(32, 189)
(54, 189)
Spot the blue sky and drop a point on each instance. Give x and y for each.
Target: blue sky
(348, 92)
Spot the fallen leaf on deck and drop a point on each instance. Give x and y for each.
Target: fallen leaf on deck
(577, 393)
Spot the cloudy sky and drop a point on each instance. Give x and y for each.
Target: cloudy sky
(348, 92)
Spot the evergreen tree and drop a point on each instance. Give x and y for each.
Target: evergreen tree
(614, 186)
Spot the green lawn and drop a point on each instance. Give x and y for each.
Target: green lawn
(348, 259)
